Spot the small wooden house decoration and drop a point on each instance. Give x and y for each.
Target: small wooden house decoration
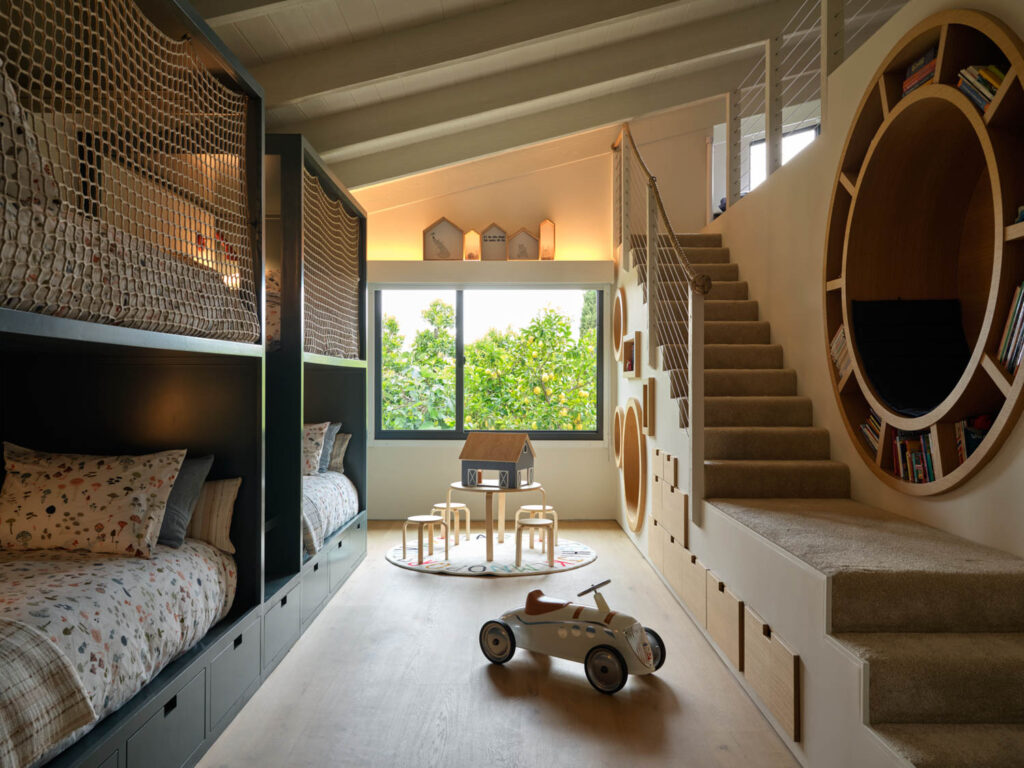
(494, 244)
(547, 240)
(471, 246)
(523, 246)
(510, 454)
(442, 241)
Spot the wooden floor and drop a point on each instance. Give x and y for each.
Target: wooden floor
(390, 674)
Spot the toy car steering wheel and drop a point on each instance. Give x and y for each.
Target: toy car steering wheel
(594, 588)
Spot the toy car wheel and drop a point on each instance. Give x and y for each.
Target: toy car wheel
(657, 646)
(497, 641)
(606, 669)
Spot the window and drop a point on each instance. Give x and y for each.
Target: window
(792, 144)
(488, 359)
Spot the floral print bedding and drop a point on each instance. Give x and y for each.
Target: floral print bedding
(118, 620)
(329, 500)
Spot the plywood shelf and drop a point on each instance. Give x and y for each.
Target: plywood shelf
(902, 154)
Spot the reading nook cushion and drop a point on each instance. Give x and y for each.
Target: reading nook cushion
(337, 463)
(313, 436)
(211, 521)
(107, 504)
(329, 438)
(183, 499)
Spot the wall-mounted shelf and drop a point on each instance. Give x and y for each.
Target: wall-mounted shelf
(631, 355)
(945, 283)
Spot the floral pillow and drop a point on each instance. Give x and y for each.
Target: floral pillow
(313, 436)
(109, 504)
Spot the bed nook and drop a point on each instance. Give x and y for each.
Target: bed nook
(316, 388)
(131, 407)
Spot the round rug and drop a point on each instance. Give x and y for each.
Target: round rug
(470, 557)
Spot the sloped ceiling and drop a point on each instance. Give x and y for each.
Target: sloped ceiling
(388, 88)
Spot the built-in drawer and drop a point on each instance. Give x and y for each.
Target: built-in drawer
(725, 620)
(346, 550)
(110, 762)
(656, 537)
(315, 584)
(773, 671)
(673, 511)
(695, 593)
(174, 732)
(281, 624)
(676, 559)
(656, 498)
(232, 671)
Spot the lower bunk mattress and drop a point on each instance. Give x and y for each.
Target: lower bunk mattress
(82, 633)
(329, 500)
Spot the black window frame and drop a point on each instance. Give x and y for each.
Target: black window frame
(459, 432)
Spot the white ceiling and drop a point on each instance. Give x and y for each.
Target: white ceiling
(387, 88)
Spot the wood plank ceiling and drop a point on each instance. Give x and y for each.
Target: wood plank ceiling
(387, 88)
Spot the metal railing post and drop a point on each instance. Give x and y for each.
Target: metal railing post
(832, 45)
(653, 299)
(627, 236)
(696, 405)
(734, 141)
(773, 105)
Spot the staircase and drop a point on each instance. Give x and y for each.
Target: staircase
(937, 621)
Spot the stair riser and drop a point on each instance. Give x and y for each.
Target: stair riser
(730, 310)
(718, 332)
(672, 273)
(820, 482)
(757, 412)
(741, 356)
(770, 444)
(749, 382)
(946, 691)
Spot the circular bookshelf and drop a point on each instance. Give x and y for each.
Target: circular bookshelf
(618, 322)
(634, 463)
(923, 260)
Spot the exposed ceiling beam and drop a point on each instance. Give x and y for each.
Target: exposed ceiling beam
(220, 12)
(542, 126)
(417, 113)
(497, 27)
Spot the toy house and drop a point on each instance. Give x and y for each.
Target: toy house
(510, 454)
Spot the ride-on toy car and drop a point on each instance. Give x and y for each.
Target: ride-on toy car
(611, 645)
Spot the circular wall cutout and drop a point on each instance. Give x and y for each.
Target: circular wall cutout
(618, 322)
(620, 417)
(634, 464)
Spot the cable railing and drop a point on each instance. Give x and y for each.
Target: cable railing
(673, 289)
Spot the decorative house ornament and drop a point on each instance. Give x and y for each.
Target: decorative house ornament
(442, 241)
(494, 244)
(547, 240)
(523, 246)
(510, 454)
(471, 246)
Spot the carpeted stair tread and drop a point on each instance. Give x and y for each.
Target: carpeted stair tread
(742, 356)
(737, 332)
(889, 573)
(727, 290)
(699, 255)
(776, 479)
(758, 411)
(670, 272)
(933, 677)
(787, 443)
(749, 381)
(730, 309)
(961, 745)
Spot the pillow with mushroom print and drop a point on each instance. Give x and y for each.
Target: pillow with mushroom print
(108, 504)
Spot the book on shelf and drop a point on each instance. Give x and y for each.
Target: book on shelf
(1012, 341)
(920, 71)
(968, 434)
(912, 456)
(980, 84)
(1020, 214)
(872, 430)
(841, 353)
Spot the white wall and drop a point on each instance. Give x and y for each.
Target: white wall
(777, 236)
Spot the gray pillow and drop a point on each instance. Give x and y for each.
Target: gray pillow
(183, 499)
(325, 454)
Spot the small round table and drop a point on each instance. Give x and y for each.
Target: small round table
(490, 488)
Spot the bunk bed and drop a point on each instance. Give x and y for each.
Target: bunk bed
(131, 278)
(316, 376)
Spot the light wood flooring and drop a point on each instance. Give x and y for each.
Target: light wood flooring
(391, 674)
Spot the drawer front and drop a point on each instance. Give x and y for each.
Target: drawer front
(281, 625)
(673, 511)
(725, 620)
(171, 735)
(110, 762)
(676, 558)
(694, 592)
(656, 546)
(346, 551)
(314, 586)
(232, 671)
(773, 671)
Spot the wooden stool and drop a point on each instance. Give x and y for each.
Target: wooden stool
(540, 510)
(444, 508)
(421, 522)
(540, 525)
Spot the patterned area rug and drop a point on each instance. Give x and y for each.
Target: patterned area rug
(469, 558)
